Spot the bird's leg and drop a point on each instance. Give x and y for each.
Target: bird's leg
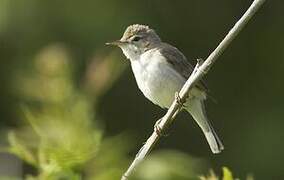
(200, 61)
(161, 132)
(158, 129)
(198, 64)
(179, 100)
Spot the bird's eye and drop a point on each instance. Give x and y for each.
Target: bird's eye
(136, 38)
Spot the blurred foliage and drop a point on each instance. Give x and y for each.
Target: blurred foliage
(227, 175)
(172, 165)
(169, 165)
(61, 134)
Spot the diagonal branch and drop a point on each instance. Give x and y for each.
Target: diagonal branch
(199, 72)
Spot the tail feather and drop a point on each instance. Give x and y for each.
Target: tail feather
(214, 142)
(219, 142)
(196, 109)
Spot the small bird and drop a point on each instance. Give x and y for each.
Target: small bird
(160, 71)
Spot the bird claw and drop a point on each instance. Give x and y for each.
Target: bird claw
(200, 61)
(179, 100)
(160, 132)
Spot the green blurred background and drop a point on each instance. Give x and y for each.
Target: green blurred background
(246, 81)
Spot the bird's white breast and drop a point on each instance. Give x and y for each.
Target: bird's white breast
(155, 78)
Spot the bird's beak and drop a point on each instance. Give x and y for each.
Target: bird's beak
(116, 43)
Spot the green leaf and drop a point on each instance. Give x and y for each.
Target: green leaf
(227, 174)
(19, 149)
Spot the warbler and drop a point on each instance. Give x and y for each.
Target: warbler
(161, 70)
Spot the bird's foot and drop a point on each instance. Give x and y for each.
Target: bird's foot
(199, 62)
(159, 131)
(179, 100)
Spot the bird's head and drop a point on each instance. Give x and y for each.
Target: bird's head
(136, 40)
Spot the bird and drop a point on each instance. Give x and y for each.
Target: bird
(160, 71)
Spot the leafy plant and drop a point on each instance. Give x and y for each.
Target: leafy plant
(61, 133)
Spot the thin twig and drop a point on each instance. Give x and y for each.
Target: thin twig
(199, 72)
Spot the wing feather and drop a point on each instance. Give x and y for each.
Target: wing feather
(179, 63)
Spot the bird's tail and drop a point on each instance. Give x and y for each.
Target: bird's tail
(196, 108)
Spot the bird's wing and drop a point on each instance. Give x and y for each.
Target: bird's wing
(179, 63)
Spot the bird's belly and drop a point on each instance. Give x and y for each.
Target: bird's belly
(158, 82)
